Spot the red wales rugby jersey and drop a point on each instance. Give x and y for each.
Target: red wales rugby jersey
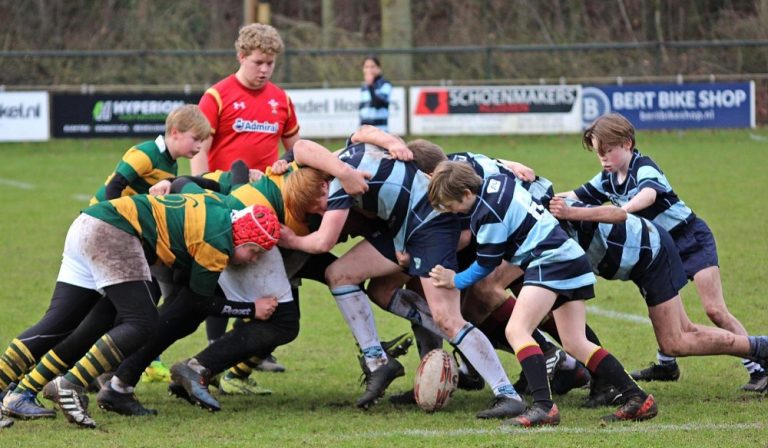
(248, 124)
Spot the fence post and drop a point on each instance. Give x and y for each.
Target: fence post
(488, 62)
(143, 66)
(659, 50)
(287, 66)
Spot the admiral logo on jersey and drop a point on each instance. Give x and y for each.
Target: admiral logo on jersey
(263, 127)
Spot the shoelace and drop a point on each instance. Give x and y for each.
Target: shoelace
(28, 395)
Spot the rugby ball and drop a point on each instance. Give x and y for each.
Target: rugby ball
(436, 379)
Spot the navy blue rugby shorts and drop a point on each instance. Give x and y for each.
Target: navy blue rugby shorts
(663, 279)
(432, 244)
(696, 246)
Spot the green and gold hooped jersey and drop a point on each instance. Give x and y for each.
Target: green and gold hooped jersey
(223, 178)
(190, 232)
(268, 191)
(142, 166)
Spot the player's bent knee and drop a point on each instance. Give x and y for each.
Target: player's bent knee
(450, 325)
(718, 315)
(339, 275)
(515, 337)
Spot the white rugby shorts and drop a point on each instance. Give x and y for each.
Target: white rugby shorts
(97, 254)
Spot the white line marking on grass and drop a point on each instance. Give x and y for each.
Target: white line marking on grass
(619, 316)
(618, 429)
(80, 197)
(16, 184)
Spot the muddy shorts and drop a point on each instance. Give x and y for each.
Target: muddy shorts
(97, 254)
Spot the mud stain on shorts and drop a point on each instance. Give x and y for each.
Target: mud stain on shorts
(114, 255)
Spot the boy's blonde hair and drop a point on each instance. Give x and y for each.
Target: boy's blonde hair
(610, 130)
(426, 155)
(188, 117)
(449, 182)
(302, 187)
(258, 36)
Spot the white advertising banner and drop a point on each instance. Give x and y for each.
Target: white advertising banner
(335, 112)
(455, 110)
(24, 116)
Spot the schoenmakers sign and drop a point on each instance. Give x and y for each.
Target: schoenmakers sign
(495, 109)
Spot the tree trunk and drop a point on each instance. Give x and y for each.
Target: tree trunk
(329, 19)
(396, 29)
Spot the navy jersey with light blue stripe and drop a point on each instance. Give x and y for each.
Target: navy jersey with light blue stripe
(509, 225)
(616, 251)
(541, 188)
(482, 164)
(668, 211)
(397, 192)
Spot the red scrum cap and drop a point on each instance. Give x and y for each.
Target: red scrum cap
(255, 225)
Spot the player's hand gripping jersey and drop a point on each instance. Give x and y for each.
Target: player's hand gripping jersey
(266, 191)
(397, 192)
(484, 166)
(616, 251)
(668, 211)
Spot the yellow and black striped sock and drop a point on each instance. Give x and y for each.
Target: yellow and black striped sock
(15, 362)
(245, 368)
(102, 357)
(44, 372)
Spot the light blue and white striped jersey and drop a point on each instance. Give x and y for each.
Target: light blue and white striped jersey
(397, 192)
(509, 225)
(668, 211)
(616, 251)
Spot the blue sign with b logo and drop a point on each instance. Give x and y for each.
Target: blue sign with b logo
(674, 106)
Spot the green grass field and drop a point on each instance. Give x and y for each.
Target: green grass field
(720, 174)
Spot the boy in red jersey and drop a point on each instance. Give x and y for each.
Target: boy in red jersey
(249, 115)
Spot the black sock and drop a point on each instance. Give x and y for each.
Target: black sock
(534, 366)
(610, 369)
